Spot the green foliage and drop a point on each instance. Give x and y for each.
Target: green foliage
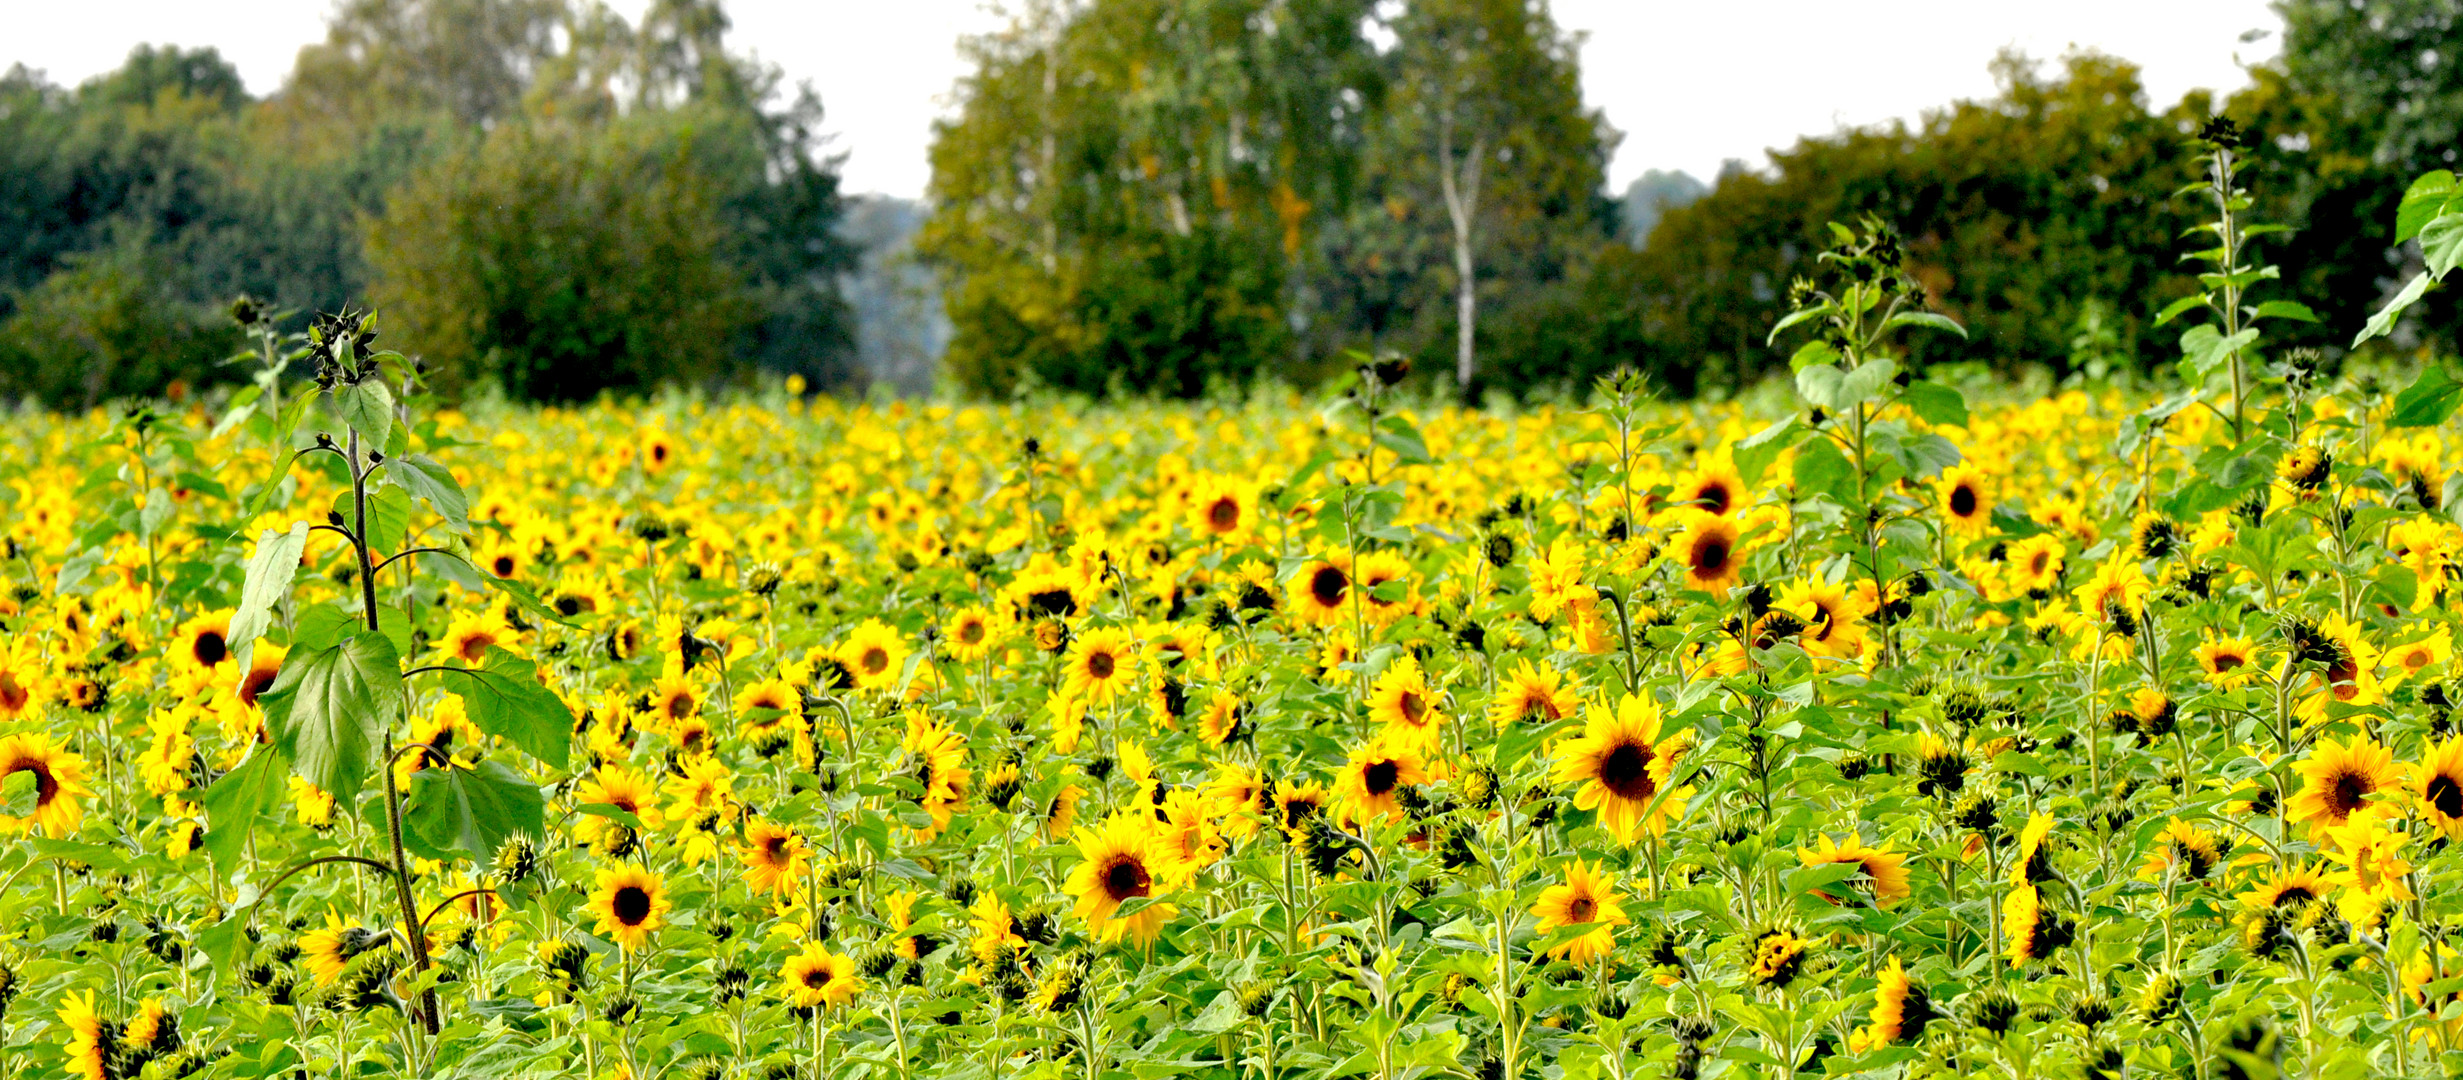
(528, 258)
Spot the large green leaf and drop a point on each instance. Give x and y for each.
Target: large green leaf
(504, 698)
(1821, 469)
(2441, 245)
(1936, 403)
(329, 708)
(2383, 323)
(235, 803)
(457, 811)
(2204, 349)
(2429, 401)
(268, 581)
(389, 513)
(432, 483)
(366, 408)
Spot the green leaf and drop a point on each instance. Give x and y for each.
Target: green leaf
(19, 792)
(1794, 317)
(2441, 245)
(366, 408)
(389, 513)
(432, 483)
(2284, 309)
(1756, 451)
(1925, 319)
(2204, 349)
(1814, 352)
(2383, 323)
(1819, 385)
(329, 709)
(235, 803)
(2174, 309)
(1936, 403)
(1822, 470)
(267, 583)
(504, 699)
(469, 811)
(1866, 383)
(1397, 434)
(2423, 202)
(2429, 401)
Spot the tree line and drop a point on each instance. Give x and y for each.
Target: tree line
(1162, 195)
(1146, 196)
(536, 194)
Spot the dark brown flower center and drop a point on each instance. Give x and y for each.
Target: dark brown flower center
(1101, 665)
(1963, 501)
(1581, 909)
(209, 648)
(2227, 661)
(45, 786)
(1125, 878)
(1379, 778)
(2345, 792)
(1710, 556)
(1626, 771)
(631, 905)
(1714, 497)
(2446, 795)
(1328, 585)
(1412, 706)
(1224, 515)
(874, 661)
(503, 566)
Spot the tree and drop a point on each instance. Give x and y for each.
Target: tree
(1133, 185)
(1486, 101)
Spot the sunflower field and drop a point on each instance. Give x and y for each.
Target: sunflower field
(1896, 727)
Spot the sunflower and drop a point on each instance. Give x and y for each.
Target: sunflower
(817, 978)
(2337, 780)
(1966, 499)
(674, 700)
(1119, 863)
(2292, 886)
(2116, 593)
(1221, 722)
(1101, 663)
(1886, 869)
(775, 857)
(2228, 661)
(624, 789)
(1226, 511)
(59, 784)
(471, 634)
(1901, 1009)
(2419, 658)
(2439, 777)
(1832, 618)
(1321, 592)
(1619, 762)
(1296, 804)
(328, 950)
(1532, 691)
(1377, 569)
(1061, 814)
(1402, 701)
(205, 641)
(2347, 666)
(1236, 792)
(2182, 847)
(1370, 781)
(1715, 488)
(874, 654)
(2034, 932)
(1707, 551)
(1046, 592)
(19, 691)
(501, 559)
(968, 634)
(629, 903)
(1777, 957)
(1587, 898)
(91, 1037)
(2035, 563)
(657, 452)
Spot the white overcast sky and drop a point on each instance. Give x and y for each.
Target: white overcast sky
(1691, 83)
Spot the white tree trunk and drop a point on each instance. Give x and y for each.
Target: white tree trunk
(1461, 185)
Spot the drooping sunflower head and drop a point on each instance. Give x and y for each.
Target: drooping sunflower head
(1775, 956)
